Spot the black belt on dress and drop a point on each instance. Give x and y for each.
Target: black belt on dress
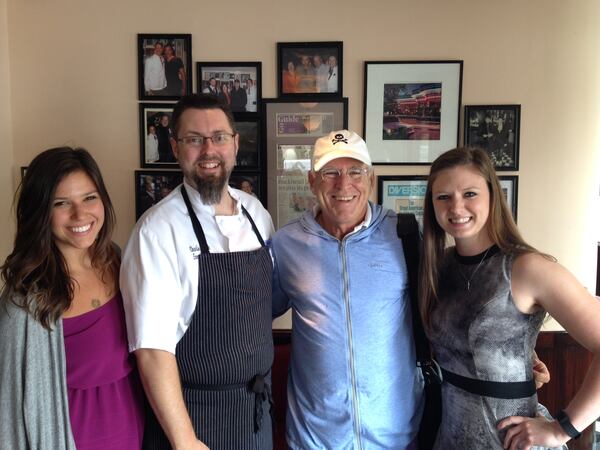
(257, 385)
(496, 389)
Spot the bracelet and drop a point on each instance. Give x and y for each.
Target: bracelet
(565, 423)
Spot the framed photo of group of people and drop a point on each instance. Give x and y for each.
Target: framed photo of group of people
(164, 66)
(151, 186)
(310, 69)
(164, 75)
(495, 129)
(237, 84)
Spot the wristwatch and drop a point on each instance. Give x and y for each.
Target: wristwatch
(565, 423)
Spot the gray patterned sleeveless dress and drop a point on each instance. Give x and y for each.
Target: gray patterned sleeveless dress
(479, 333)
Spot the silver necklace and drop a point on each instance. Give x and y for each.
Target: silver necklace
(468, 280)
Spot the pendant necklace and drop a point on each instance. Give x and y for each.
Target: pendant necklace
(468, 280)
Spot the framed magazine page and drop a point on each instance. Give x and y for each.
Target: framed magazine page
(290, 129)
(411, 110)
(403, 194)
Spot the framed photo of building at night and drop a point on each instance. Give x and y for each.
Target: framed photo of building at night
(495, 129)
(411, 110)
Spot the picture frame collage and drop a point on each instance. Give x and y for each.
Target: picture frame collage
(411, 114)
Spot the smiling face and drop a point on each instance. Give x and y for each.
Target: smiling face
(343, 201)
(77, 214)
(208, 164)
(461, 201)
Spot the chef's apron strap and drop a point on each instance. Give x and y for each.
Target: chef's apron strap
(262, 392)
(247, 214)
(195, 222)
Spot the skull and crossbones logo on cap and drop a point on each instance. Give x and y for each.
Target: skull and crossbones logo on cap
(339, 138)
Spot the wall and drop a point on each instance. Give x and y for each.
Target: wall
(6, 150)
(73, 80)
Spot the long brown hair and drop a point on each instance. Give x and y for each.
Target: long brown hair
(36, 272)
(501, 226)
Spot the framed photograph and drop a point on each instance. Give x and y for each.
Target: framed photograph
(164, 66)
(403, 194)
(290, 129)
(411, 111)
(510, 188)
(249, 182)
(151, 186)
(239, 84)
(155, 135)
(495, 128)
(250, 153)
(312, 69)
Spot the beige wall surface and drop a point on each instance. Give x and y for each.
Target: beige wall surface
(7, 167)
(73, 80)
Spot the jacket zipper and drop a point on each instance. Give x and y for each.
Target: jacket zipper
(355, 408)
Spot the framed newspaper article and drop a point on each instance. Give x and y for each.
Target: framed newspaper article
(290, 129)
(403, 194)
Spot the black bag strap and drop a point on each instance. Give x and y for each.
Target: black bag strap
(408, 231)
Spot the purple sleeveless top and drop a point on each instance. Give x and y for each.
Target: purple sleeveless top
(104, 391)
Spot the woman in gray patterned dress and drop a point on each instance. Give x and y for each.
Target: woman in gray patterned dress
(483, 303)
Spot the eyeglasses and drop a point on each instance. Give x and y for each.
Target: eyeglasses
(218, 139)
(355, 173)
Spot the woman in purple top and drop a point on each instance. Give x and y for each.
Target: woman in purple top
(63, 276)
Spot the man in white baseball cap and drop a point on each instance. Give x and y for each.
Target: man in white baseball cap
(353, 380)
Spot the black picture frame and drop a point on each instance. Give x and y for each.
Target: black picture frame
(498, 136)
(225, 74)
(250, 182)
(311, 82)
(251, 155)
(295, 123)
(411, 110)
(510, 188)
(182, 47)
(163, 182)
(152, 115)
(403, 194)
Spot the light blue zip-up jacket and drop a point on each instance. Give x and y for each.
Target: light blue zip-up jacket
(353, 381)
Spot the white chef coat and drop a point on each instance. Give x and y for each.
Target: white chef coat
(159, 270)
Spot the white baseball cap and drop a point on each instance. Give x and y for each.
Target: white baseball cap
(339, 144)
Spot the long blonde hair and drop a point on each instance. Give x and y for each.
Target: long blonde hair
(501, 226)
